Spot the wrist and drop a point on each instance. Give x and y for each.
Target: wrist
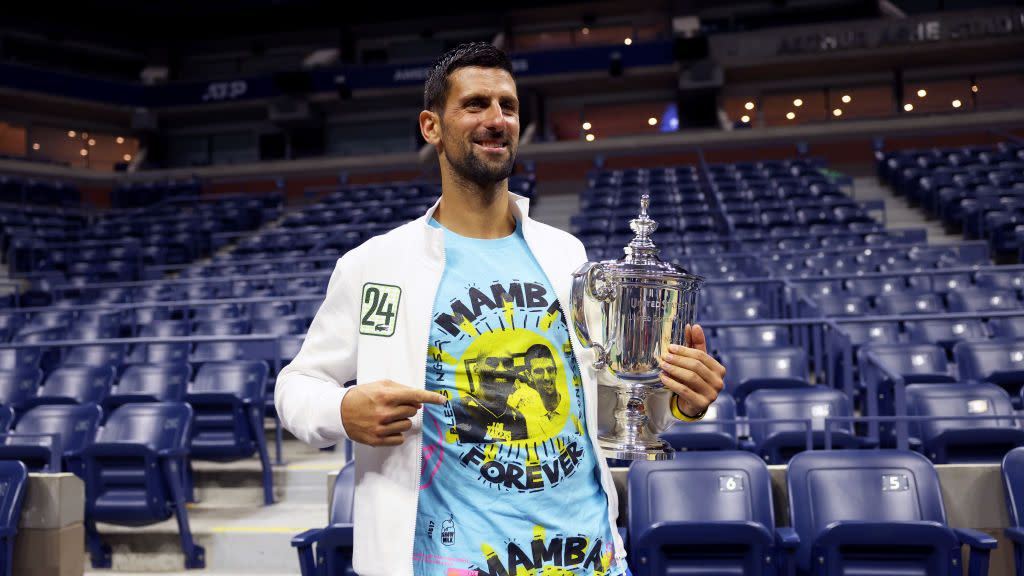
(677, 411)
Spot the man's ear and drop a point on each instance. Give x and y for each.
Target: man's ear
(430, 127)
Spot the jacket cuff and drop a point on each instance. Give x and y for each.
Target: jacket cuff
(674, 405)
(327, 413)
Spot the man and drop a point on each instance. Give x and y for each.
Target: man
(474, 277)
(484, 413)
(538, 397)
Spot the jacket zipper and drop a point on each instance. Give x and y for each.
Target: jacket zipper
(419, 441)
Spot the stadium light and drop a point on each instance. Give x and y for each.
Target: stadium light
(652, 121)
(790, 116)
(36, 146)
(92, 141)
(585, 31)
(120, 140)
(749, 105)
(846, 98)
(590, 137)
(127, 157)
(798, 102)
(586, 125)
(922, 93)
(837, 112)
(974, 88)
(71, 133)
(908, 106)
(83, 152)
(628, 41)
(957, 103)
(745, 119)
(85, 135)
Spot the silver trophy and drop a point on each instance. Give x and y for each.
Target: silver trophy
(629, 311)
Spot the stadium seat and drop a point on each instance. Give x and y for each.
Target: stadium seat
(903, 303)
(777, 442)
(228, 399)
(1000, 362)
(221, 327)
(53, 438)
(19, 386)
(982, 300)
(876, 512)
(884, 368)
(948, 441)
(751, 337)
(329, 550)
(1013, 488)
(149, 383)
(96, 355)
(1007, 327)
(14, 477)
(6, 418)
(708, 434)
(75, 385)
(707, 513)
(945, 332)
(754, 368)
(134, 475)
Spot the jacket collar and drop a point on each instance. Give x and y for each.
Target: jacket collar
(433, 244)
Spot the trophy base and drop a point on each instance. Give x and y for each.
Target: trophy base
(622, 450)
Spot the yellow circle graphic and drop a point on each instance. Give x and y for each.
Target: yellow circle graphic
(512, 388)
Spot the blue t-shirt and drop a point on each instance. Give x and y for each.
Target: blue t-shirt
(510, 483)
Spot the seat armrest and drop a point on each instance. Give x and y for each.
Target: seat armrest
(787, 538)
(976, 538)
(307, 538)
(1015, 534)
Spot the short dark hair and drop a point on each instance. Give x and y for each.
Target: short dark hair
(482, 54)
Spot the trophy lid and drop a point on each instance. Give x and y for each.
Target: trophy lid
(641, 255)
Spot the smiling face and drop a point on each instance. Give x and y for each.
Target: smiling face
(479, 125)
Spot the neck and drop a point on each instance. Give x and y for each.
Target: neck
(473, 211)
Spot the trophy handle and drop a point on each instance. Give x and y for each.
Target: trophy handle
(590, 281)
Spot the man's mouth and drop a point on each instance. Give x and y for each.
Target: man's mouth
(492, 144)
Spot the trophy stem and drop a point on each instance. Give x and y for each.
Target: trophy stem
(631, 437)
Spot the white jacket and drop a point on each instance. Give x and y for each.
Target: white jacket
(310, 389)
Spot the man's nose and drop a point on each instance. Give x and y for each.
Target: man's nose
(494, 118)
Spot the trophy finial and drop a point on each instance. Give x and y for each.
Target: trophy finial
(642, 249)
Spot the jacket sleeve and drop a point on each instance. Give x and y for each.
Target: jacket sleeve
(310, 388)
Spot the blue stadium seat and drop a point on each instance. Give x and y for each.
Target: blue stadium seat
(753, 368)
(945, 332)
(708, 434)
(982, 300)
(74, 427)
(332, 544)
(883, 367)
(777, 442)
(14, 477)
(707, 513)
(6, 418)
(96, 355)
(901, 303)
(1013, 487)
(222, 311)
(18, 387)
(221, 327)
(962, 441)
(284, 325)
(1007, 327)
(134, 475)
(75, 385)
(160, 353)
(876, 512)
(228, 399)
(1000, 362)
(149, 383)
(751, 337)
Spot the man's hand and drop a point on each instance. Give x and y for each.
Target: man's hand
(377, 413)
(690, 372)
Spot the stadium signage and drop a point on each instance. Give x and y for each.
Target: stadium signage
(866, 36)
